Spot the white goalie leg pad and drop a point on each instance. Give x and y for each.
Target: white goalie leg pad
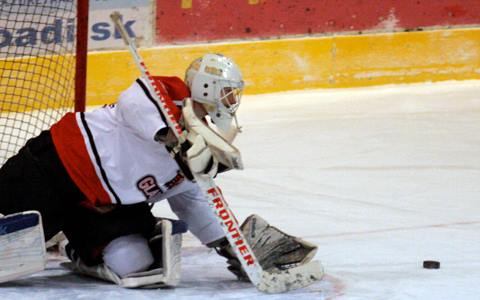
(166, 276)
(128, 254)
(22, 245)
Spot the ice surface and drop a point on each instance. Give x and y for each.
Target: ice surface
(380, 178)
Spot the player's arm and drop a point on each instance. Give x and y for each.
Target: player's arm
(192, 207)
(139, 114)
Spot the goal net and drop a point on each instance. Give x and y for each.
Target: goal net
(42, 66)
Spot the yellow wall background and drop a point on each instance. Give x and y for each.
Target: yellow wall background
(303, 63)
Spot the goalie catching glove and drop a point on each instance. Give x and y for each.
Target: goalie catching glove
(195, 156)
(274, 249)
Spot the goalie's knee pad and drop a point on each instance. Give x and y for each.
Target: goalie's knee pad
(165, 246)
(128, 254)
(22, 245)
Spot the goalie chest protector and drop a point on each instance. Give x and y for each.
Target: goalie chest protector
(110, 153)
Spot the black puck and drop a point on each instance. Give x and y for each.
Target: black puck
(431, 264)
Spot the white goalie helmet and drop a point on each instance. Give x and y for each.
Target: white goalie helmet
(216, 82)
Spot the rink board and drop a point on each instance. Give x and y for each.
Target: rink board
(301, 63)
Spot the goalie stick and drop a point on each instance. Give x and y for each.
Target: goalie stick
(268, 282)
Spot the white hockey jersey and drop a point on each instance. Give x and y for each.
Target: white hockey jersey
(111, 155)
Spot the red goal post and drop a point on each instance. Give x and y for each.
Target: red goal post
(43, 54)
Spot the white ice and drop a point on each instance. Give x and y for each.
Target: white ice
(379, 178)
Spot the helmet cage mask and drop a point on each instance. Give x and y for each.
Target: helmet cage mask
(216, 82)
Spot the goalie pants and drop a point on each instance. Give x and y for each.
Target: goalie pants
(35, 179)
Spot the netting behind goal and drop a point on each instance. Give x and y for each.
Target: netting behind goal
(42, 71)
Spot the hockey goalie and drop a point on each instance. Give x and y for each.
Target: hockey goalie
(95, 175)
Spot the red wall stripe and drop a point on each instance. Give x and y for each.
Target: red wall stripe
(209, 20)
